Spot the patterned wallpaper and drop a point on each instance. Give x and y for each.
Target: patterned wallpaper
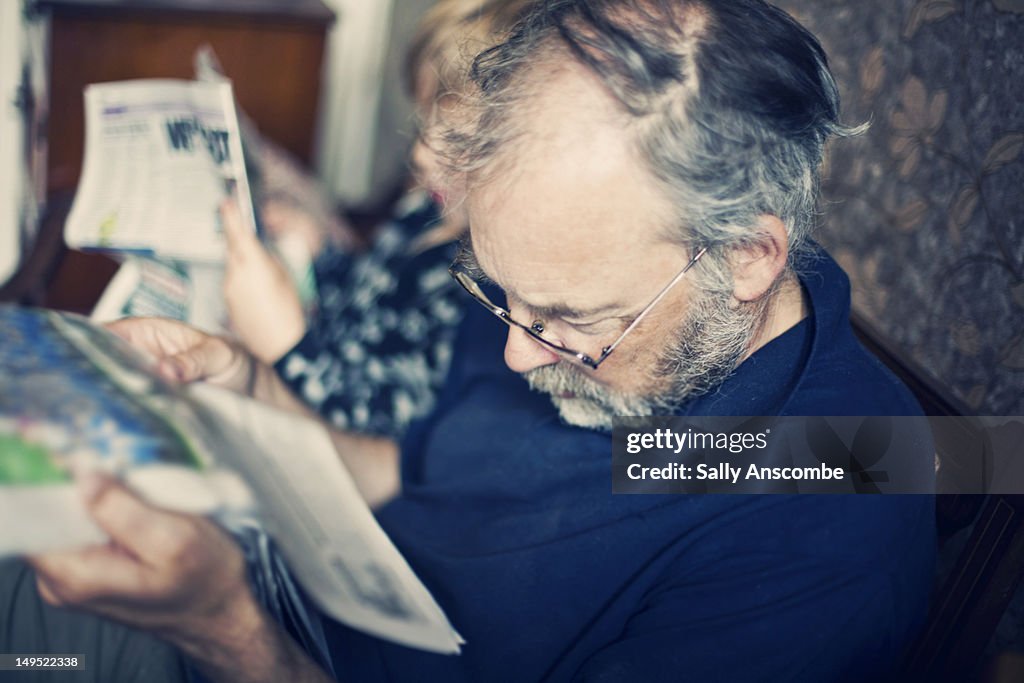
(924, 211)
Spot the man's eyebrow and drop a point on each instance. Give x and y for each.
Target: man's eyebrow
(467, 259)
(566, 311)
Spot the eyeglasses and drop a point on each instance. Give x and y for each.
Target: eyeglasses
(461, 275)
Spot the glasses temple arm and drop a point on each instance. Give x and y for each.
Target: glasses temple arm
(661, 295)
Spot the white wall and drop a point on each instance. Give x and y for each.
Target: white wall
(351, 88)
(395, 122)
(21, 192)
(11, 132)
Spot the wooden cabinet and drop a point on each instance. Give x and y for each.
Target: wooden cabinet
(271, 49)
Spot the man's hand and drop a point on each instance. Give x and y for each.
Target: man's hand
(177, 576)
(262, 303)
(185, 354)
(164, 572)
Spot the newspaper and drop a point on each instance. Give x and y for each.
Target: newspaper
(76, 396)
(151, 287)
(161, 155)
(145, 286)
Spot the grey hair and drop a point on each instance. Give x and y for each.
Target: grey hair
(730, 104)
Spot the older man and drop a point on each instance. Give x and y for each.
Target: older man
(642, 179)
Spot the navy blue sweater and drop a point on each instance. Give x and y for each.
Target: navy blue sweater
(507, 516)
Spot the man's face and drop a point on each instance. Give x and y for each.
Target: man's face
(573, 228)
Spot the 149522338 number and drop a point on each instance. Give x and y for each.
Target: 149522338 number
(29, 662)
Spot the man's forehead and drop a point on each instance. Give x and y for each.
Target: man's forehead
(563, 106)
(572, 196)
(562, 302)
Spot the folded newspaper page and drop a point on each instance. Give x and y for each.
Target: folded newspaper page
(161, 155)
(75, 396)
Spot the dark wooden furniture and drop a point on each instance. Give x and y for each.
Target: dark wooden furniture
(987, 571)
(271, 49)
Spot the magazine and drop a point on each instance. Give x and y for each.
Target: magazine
(77, 396)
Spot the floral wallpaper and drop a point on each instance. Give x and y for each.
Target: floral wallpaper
(924, 210)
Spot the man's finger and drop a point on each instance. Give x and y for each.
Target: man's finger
(157, 336)
(46, 591)
(142, 530)
(69, 575)
(80, 576)
(212, 359)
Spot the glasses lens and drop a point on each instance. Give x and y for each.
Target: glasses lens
(474, 289)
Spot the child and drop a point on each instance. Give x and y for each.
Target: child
(375, 354)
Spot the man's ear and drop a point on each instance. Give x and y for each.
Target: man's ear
(756, 267)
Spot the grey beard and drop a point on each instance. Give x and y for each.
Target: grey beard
(706, 348)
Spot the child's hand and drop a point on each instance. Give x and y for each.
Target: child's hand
(262, 303)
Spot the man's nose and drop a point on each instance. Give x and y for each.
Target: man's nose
(523, 353)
